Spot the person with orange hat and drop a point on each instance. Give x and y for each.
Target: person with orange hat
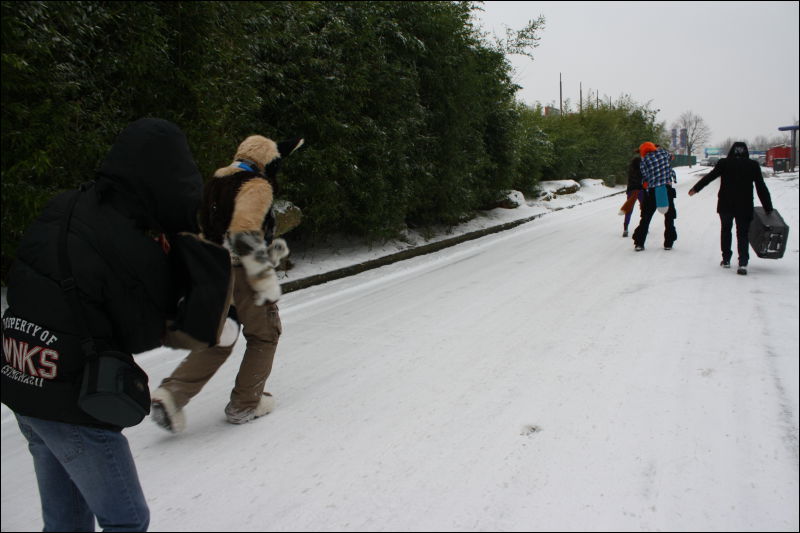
(656, 172)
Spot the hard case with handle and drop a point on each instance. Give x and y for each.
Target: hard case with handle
(768, 234)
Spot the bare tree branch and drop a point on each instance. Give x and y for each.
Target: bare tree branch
(697, 131)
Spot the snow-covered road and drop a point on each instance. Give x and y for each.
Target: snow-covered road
(545, 378)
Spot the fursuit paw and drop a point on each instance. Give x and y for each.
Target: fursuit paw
(277, 251)
(259, 261)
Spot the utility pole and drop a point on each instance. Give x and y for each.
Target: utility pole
(580, 88)
(560, 97)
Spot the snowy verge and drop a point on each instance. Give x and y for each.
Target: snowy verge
(341, 257)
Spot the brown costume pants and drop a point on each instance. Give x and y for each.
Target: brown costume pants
(262, 328)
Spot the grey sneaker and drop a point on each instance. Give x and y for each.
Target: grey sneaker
(241, 416)
(725, 264)
(625, 233)
(638, 248)
(742, 270)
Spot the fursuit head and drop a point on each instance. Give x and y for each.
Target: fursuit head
(238, 211)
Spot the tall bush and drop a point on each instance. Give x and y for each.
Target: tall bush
(75, 73)
(408, 112)
(599, 141)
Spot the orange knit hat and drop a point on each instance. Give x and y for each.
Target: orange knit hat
(646, 148)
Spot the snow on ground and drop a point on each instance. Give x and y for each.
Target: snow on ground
(540, 379)
(343, 252)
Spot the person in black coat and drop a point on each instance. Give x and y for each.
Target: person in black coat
(738, 174)
(633, 193)
(147, 192)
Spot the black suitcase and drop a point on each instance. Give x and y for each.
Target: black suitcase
(768, 234)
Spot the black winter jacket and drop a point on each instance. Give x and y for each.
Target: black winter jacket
(738, 174)
(147, 184)
(634, 175)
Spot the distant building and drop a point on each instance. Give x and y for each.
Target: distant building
(778, 152)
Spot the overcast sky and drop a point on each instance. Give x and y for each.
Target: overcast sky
(735, 64)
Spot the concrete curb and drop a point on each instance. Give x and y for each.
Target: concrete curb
(318, 279)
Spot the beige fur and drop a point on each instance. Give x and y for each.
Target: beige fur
(258, 149)
(224, 172)
(252, 203)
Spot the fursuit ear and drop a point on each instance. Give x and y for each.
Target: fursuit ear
(287, 147)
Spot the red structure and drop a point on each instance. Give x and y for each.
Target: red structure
(779, 152)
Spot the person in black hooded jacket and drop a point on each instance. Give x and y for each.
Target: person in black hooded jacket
(634, 193)
(738, 174)
(147, 190)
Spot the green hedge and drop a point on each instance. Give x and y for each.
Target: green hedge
(408, 112)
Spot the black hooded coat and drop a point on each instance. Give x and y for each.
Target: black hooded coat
(738, 174)
(634, 175)
(127, 283)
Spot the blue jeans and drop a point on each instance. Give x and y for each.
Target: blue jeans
(84, 473)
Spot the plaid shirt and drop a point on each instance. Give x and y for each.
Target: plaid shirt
(655, 169)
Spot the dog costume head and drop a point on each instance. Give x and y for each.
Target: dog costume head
(262, 155)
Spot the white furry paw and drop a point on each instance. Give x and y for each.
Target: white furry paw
(263, 297)
(259, 261)
(277, 251)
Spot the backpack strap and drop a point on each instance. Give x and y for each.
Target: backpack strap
(68, 281)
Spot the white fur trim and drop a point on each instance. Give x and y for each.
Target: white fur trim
(265, 405)
(230, 333)
(176, 416)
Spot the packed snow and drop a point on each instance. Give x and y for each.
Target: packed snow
(544, 378)
(339, 252)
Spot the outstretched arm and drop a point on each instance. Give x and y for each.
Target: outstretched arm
(705, 180)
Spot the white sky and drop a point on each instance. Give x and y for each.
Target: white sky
(733, 63)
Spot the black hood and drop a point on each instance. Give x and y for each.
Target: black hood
(151, 163)
(739, 149)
